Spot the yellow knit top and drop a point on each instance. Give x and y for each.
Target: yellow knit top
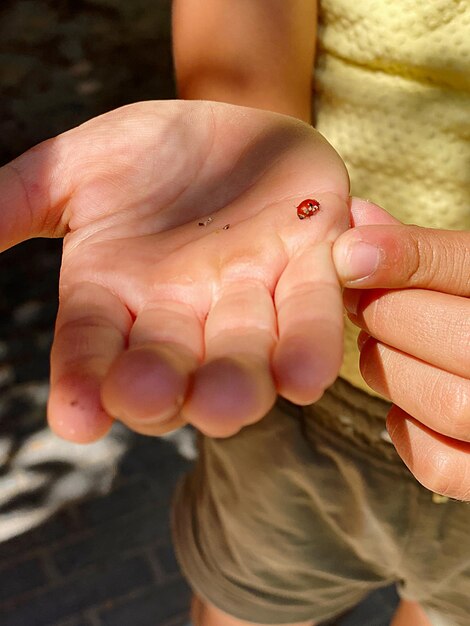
(392, 95)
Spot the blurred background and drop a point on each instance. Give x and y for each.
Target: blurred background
(65, 61)
(84, 531)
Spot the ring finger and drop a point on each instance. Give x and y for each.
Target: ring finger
(147, 384)
(440, 399)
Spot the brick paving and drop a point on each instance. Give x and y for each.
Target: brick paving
(84, 531)
(103, 559)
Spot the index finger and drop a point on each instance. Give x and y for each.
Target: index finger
(309, 308)
(397, 256)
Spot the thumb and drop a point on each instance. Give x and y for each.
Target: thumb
(33, 195)
(394, 256)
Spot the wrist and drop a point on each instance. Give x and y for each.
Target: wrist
(258, 53)
(248, 91)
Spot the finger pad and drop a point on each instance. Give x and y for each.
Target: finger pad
(144, 383)
(75, 411)
(304, 369)
(226, 396)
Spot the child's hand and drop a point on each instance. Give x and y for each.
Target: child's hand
(415, 348)
(189, 289)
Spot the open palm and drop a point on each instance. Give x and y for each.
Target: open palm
(189, 289)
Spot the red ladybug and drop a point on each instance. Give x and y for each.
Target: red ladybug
(307, 208)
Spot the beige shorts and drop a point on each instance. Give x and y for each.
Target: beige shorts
(300, 516)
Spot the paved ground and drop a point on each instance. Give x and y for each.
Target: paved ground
(84, 531)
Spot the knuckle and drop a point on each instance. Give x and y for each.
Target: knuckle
(457, 411)
(36, 193)
(374, 312)
(442, 474)
(85, 322)
(421, 255)
(459, 262)
(437, 259)
(84, 339)
(459, 340)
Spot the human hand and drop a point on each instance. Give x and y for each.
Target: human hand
(414, 312)
(161, 320)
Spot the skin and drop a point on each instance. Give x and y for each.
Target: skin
(162, 321)
(415, 321)
(257, 53)
(205, 614)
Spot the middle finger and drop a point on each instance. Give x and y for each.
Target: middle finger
(235, 387)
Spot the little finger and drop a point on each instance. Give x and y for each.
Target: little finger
(91, 331)
(440, 463)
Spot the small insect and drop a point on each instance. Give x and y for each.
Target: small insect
(226, 227)
(307, 208)
(206, 221)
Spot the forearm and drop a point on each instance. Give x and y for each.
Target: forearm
(256, 53)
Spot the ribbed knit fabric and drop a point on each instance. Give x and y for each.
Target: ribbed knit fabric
(392, 87)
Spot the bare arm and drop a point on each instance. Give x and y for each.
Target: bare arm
(257, 53)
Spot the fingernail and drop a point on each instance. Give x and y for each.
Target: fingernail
(351, 299)
(362, 260)
(362, 338)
